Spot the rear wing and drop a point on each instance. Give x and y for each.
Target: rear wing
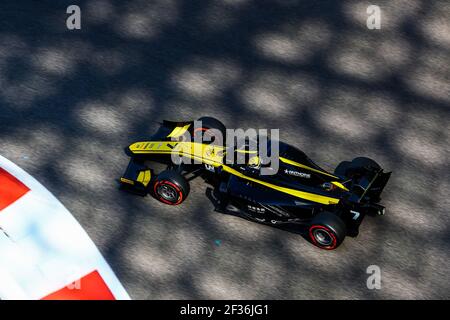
(378, 185)
(370, 187)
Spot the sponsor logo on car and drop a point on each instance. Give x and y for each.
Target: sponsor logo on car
(297, 174)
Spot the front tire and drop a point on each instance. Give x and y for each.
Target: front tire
(210, 123)
(327, 231)
(170, 187)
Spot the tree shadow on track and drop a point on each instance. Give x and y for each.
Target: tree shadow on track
(71, 100)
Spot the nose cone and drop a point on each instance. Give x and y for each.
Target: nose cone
(128, 151)
(135, 147)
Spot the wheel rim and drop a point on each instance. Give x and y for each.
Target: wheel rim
(168, 193)
(323, 237)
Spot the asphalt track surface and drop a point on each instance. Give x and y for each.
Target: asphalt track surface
(71, 100)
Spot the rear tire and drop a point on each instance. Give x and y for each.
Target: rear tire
(327, 231)
(363, 162)
(357, 166)
(341, 169)
(170, 187)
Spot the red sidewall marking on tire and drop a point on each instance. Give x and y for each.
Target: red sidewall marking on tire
(330, 232)
(11, 189)
(178, 190)
(201, 129)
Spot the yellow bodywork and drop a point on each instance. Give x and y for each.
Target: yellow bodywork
(300, 165)
(213, 155)
(340, 185)
(125, 180)
(144, 177)
(297, 164)
(178, 131)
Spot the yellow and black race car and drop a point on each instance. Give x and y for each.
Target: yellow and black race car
(298, 192)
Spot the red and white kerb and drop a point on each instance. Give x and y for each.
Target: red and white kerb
(44, 252)
(11, 189)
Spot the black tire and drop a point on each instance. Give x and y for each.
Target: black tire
(357, 166)
(363, 162)
(341, 169)
(210, 123)
(327, 231)
(170, 187)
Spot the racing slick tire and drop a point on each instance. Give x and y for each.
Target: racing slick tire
(170, 187)
(210, 123)
(341, 169)
(363, 162)
(327, 231)
(357, 165)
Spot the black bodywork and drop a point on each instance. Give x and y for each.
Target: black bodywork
(357, 185)
(264, 205)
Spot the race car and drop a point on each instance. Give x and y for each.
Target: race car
(298, 193)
